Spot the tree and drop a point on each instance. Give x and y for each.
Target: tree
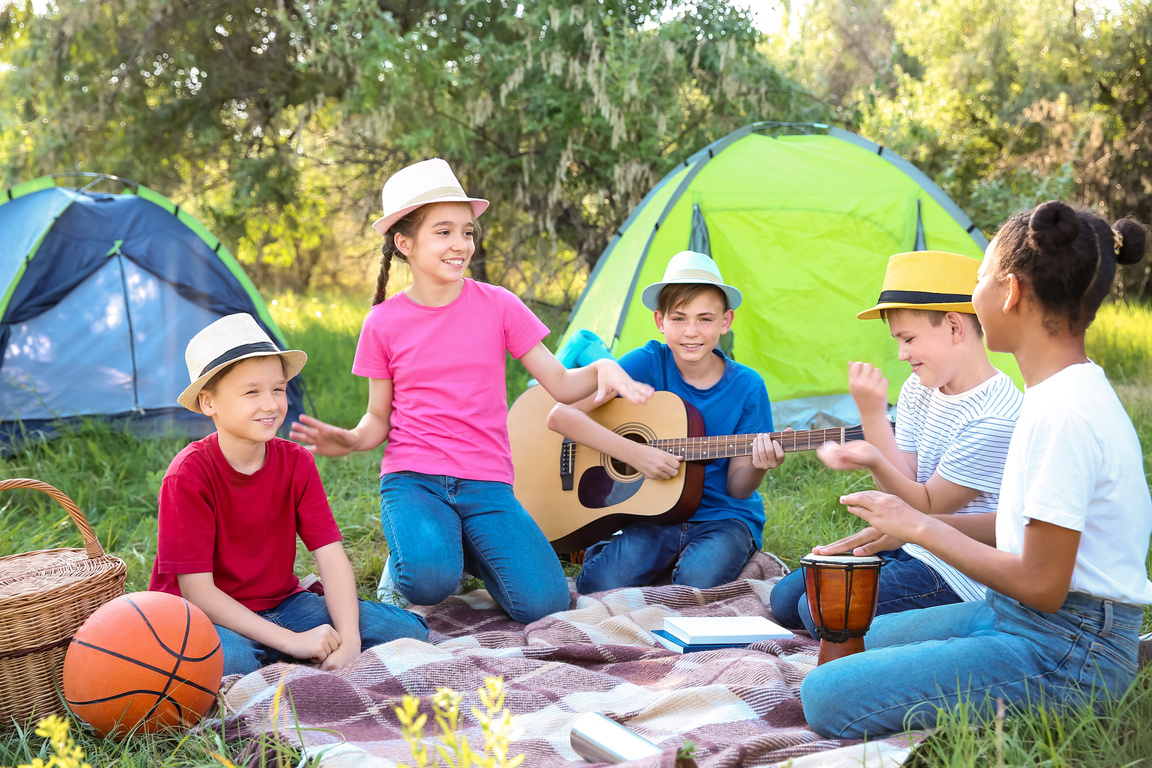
(279, 124)
(199, 100)
(1020, 102)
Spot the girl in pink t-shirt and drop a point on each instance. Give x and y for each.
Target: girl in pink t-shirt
(434, 356)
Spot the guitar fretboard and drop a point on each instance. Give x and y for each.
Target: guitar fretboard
(727, 446)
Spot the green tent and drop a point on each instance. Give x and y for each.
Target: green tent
(802, 219)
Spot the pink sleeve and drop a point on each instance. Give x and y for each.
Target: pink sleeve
(372, 360)
(522, 329)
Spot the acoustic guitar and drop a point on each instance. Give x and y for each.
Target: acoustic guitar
(579, 496)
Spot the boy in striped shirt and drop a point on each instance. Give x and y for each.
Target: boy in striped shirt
(954, 420)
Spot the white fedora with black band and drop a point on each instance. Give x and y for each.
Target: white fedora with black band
(430, 181)
(229, 339)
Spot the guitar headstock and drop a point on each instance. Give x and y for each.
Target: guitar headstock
(853, 433)
(857, 432)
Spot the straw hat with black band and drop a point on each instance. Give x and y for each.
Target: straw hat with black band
(935, 280)
(229, 339)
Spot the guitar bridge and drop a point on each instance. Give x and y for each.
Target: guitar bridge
(567, 464)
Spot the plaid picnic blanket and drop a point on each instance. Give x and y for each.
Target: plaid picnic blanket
(741, 707)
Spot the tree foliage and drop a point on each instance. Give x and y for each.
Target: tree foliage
(1005, 103)
(279, 124)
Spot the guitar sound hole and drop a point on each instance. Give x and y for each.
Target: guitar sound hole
(621, 468)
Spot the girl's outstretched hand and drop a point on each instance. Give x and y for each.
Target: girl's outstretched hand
(611, 380)
(887, 513)
(321, 438)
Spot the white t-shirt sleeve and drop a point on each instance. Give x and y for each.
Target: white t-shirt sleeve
(1059, 470)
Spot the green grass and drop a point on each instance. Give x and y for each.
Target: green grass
(1115, 735)
(115, 478)
(1120, 340)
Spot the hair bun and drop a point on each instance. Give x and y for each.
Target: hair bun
(1053, 225)
(1135, 241)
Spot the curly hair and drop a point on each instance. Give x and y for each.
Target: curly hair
(1068, 258)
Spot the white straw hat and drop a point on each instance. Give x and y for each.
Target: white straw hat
(231, 338)
(690, 267)
(430, 181)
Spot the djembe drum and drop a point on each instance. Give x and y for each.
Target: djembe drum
(842, 592)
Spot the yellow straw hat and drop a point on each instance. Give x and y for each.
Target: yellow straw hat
(927, 280)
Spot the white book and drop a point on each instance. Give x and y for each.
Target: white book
(674, 644)
(697, 630)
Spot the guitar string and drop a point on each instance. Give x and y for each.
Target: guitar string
(722, 446)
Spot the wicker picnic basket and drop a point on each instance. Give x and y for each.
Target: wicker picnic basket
(44, 598)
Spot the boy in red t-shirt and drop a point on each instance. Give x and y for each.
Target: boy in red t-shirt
(232, 504)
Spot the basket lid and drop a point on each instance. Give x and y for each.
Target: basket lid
(45, 570)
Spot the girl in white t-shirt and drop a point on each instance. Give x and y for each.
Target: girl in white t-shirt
(434, 355)
(1064, 559)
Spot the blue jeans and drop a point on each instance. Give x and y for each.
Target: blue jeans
(306, 610)
(905, 583)
(702, 554)
(436, 525)
(919, 661)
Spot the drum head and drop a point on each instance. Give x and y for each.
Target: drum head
(842, 561)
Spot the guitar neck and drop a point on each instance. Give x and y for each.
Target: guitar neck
(727, 446)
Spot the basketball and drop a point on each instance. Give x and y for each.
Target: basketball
(147, 661)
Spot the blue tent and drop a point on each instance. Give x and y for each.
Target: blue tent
(99, 295)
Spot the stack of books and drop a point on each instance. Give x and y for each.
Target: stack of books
(683, 634)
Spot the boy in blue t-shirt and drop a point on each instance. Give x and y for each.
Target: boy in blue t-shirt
(693, 309)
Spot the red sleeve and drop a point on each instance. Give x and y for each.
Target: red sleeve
(186, 523)
(314, 521)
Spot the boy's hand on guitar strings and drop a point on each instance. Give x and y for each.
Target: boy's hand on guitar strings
(655, 463)
(867, 541)
(767, 454)
(855, 454)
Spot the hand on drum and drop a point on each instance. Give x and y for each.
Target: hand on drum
(888, 514)
(868, 541)
(855, 454)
